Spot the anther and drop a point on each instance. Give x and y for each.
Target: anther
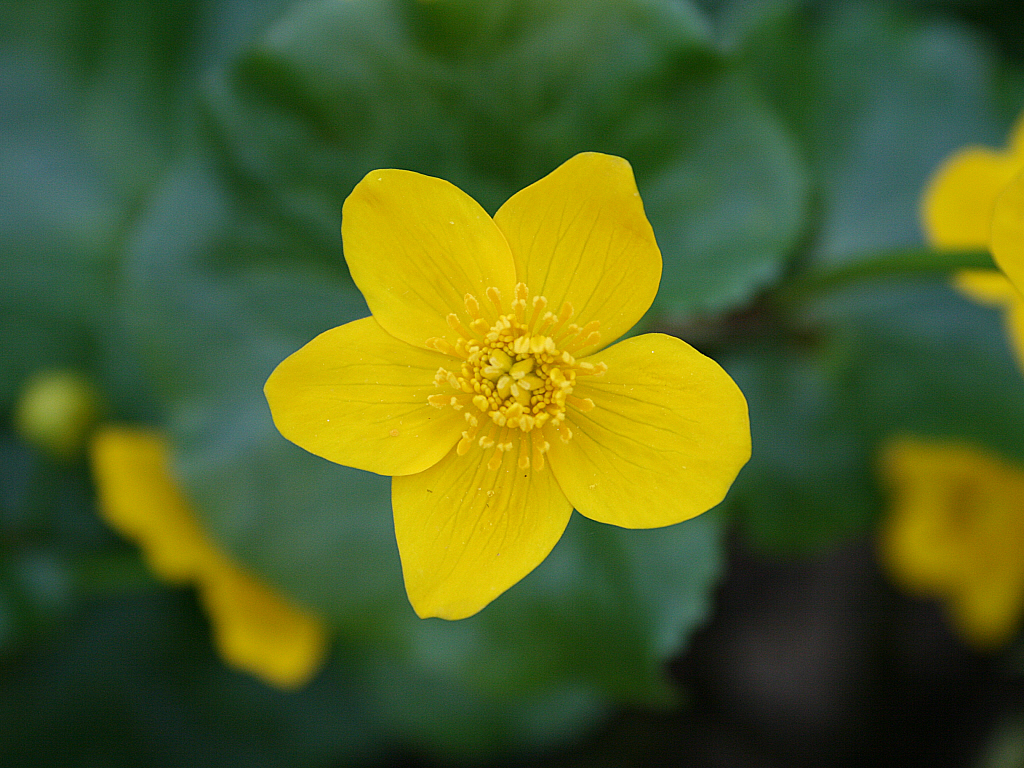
(523, 460)
(456, 325)
(441, 345)
(582, 404)
(494, 295)
(495, 461)
(472, 306)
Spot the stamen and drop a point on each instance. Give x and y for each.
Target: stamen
(456, 325)
(539, 305)
(563, 316)
(582, 404)
(523, 459)
(586, 335)
(518, 372)
(494, 295)
(441, 345)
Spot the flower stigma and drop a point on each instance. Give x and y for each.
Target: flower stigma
(518, 372)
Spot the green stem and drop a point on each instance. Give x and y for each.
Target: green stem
(886, 264)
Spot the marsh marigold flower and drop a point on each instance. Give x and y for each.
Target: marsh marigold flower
(484, 384)
(959, 211)
(955, 532)
(254, 627)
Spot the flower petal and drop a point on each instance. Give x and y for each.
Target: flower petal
(357, 396)
(580, 235)
(467, 533)
(139, 498)
(957, 205)
(257, 630)
(986, 286)
(665, 440)
(1008, 231)
(415, 246)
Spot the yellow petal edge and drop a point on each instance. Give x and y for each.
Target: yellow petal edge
(467, 533)
(254, 627)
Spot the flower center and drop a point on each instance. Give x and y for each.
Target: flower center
(517, 372)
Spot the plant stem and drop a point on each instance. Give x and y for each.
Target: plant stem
(886, 264)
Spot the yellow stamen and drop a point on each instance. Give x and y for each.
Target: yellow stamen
(515, 372)
(494, 295)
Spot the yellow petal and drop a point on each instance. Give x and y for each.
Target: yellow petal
(986, 286)
(956, 532)
(1008, 231)
(958, 203)
(580, 235)
(467, 533)
(139, 498)
(918, 542)
(666, 437)
(988, 615)
(415, 246)
(357, 396)
(256, 630)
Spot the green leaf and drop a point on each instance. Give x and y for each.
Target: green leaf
(878, 98)
(808, 482)
(492, 96)
(877, 361)
(926, 361)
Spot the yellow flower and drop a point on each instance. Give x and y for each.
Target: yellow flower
(956, 532)
(957, 212)
(483, 384)
(255, 628)
(1008, 232)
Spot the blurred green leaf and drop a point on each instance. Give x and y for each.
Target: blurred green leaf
(492, 96)
(878, 97)
(808, 482)
(921, 359)
(878, 360)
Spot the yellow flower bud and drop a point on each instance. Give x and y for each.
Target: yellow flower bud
(56, 411)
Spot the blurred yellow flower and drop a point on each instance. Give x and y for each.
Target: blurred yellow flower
(483, 383)
(955, 532)
(958, 208)
(254, 628)
(1008, 231)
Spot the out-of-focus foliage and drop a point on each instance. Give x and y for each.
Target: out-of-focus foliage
(172, 178)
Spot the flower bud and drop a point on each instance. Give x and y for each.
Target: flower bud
(56, 411)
